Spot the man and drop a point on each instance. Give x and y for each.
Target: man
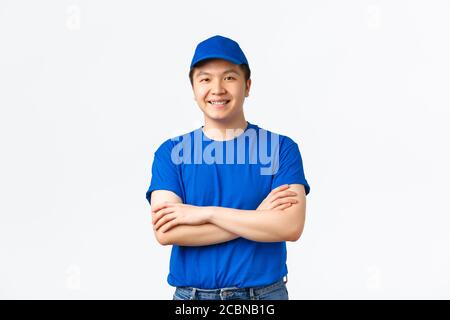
(227, 196)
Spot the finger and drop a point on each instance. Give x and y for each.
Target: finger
(161, 213)
(280, 188)
(169, 225)
(285, 193)
(283, 206)
(165, 220)
(282, 194)
(281, 201)
(158, 206)
(165, 204)
(157, 215)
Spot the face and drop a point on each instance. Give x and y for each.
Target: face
(220, 90)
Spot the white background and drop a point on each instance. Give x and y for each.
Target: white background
(89, 89)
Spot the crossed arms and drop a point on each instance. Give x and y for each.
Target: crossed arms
(280, 217)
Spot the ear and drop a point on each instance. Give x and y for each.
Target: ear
(247, 89)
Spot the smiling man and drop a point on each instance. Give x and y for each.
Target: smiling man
(227, 196)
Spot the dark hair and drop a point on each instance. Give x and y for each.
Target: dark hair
(244, 67)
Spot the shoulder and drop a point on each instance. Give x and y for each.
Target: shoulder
(285, 142)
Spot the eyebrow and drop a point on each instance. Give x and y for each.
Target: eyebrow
(201, 73)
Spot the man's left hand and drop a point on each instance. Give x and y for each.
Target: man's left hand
(169, 214)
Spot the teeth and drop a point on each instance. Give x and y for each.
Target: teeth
(218, 102)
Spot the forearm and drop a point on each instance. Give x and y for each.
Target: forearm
(196, 235)
(262, 226)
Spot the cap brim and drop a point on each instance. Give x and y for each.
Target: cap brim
(216, 56)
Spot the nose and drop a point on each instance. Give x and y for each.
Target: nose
(217, 88)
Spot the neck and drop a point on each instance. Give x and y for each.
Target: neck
(224, 130)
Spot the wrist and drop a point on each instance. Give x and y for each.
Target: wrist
(209, 213)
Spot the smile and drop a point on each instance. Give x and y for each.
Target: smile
(219, 102)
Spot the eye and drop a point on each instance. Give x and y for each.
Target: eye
(229, 77)
(204, 79)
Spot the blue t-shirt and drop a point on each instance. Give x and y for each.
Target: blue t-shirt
(237, 173)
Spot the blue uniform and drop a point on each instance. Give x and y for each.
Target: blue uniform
(237, 173)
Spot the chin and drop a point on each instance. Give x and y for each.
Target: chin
(217, 117)
(219, 114)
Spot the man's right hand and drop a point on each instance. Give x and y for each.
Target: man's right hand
(278, 199)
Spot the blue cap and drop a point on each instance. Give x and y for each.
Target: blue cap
(220, 48)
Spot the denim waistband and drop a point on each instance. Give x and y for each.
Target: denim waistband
(254, 290)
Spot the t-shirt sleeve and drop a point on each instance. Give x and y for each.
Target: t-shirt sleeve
(166, 175)
(290, 168)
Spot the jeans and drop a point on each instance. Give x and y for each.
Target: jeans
(274, 291)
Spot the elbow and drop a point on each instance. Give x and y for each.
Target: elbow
(296, 227)
(162, 238)
(294, 237)
(162, 242)
(295, 234)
